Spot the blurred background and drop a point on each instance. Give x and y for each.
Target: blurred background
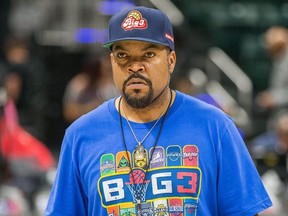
(53, 69)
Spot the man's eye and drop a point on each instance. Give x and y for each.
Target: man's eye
(121, 55)
(149, 54)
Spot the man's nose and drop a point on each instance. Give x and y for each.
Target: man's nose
(136, 66)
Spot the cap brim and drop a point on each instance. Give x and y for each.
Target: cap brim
(110, 43)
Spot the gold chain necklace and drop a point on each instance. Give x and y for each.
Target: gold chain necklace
(139, 192)
(139, 147)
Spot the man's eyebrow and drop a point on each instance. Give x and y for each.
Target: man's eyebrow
(117, 47)
(152, 46)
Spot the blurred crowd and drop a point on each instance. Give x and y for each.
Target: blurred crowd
(24, 157)
(27, 161)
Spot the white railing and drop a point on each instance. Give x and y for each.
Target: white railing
(224, 64)
(214, 89)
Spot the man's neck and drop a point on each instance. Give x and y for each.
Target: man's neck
(147, 114)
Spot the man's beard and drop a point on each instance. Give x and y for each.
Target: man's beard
(135, 99)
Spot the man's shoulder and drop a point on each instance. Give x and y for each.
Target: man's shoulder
(199, 104)
(192, 106)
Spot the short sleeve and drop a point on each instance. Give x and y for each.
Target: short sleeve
(240, 189)
(67, 196)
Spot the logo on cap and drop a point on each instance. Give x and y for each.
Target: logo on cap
(134, 20)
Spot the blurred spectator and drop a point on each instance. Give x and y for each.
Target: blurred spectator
(275, 97)
(275, 140)
(270, 149)
(26, 84)
(270, 152)
(88, 89)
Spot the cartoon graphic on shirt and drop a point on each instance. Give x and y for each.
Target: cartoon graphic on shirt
(123, 162)
(174, 155)
(158, 157)
(128, 210)
(107, 164)
(161, 208)
(190, 155)
(145, 209)
(175, 207)
(170, 187)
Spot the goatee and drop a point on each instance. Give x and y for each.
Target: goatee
(135, 99)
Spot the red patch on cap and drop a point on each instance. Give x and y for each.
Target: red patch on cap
(170, 37)
(134, 20)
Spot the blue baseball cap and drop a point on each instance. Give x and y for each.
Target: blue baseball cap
(141, 24)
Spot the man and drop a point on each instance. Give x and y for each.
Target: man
(275, 97)
(153, 151)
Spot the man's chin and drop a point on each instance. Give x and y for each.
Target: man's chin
(138, 101)
(136, 94)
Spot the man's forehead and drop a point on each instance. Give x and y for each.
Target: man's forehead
(133, 44)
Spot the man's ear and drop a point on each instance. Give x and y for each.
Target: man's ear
(171, 61)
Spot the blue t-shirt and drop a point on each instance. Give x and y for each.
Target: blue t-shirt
(200, 166)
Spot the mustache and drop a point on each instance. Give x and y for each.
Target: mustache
(138, 76)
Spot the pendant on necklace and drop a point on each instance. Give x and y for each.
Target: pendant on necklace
(140, 156)
(140, 151)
